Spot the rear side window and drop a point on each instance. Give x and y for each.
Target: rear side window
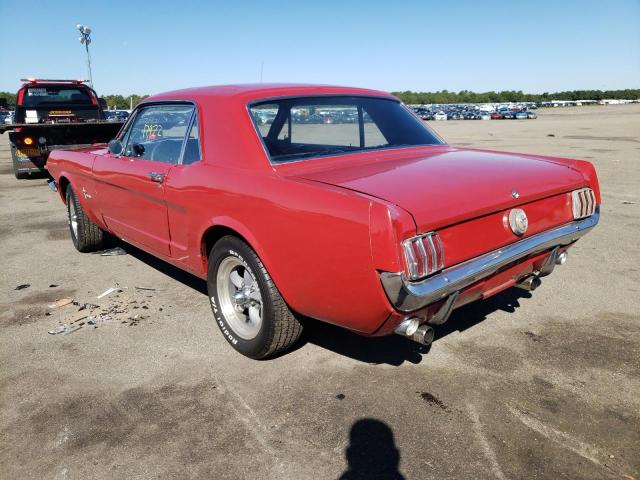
(46, 96)
(308, 127)
(158, 132)
(192, 147)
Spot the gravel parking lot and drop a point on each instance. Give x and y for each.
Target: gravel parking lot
(521, 386)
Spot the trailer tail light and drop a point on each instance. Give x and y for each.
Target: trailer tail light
(423, 255)
(583, 203)
(28, 141)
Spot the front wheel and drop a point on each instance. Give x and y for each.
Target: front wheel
(86, 235)
(246, 304)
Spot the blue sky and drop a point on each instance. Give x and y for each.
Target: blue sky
(149, 47)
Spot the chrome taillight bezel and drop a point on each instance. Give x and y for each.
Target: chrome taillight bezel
(423, 255)
(583, 203)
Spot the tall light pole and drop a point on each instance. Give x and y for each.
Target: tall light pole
(85, 40)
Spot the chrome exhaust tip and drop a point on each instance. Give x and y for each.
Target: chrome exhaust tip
(408, 326)
(530, 283)
(424, 335)
(561, 259)
(412, 329)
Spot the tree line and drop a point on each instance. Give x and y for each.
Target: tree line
(466, 96)
(443, 96)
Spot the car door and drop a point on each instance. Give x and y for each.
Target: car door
(131, 185)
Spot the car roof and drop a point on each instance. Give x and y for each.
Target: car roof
(257, 91)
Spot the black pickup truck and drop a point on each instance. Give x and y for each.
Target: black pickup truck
(55, 114)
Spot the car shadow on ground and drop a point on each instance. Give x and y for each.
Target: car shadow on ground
(392, 350)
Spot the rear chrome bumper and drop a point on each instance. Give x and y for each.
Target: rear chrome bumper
(408, 296)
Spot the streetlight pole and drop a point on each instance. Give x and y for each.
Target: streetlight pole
(85, 40)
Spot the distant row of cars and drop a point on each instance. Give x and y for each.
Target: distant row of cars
(466, 113)
(116, 115)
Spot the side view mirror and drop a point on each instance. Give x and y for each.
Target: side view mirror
(103, 103)
(115, 147)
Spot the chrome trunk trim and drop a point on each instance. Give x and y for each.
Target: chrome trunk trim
(408, 296)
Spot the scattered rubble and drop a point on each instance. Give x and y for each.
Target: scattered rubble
(23, 286)
(115, 309)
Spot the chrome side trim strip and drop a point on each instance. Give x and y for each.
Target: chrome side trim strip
(409, 296)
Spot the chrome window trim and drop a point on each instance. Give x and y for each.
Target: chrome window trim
(273, 163)
(407, 296)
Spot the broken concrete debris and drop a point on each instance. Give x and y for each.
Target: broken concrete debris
(112, 252)
(65, 329)
(109, 291)
(60, 303)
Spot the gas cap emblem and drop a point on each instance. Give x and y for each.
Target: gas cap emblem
(518, 221)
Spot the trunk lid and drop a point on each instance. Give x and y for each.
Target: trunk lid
(441, 186)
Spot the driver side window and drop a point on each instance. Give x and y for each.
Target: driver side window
(157, 133)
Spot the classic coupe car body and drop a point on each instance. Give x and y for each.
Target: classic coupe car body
(388, 230)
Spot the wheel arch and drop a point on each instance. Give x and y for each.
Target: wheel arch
(63, 184)
(221, 226)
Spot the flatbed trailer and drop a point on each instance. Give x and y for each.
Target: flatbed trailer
(54, 115)
(31, 143)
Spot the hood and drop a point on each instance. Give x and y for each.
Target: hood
(441, 186)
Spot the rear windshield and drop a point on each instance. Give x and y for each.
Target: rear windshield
(55, 95)
(299, 128)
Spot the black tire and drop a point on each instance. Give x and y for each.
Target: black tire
(279, 328)
(89, 236)
(21, 176)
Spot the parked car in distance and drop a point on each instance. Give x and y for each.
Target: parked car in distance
(377, 226)
(496, 116)
(440, 116)
(521, 115)
(532, 115)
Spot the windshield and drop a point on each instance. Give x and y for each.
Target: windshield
(298, 128)
(54, 95)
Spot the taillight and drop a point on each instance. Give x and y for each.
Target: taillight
(28, 141)
(583, 203)
(423, 255)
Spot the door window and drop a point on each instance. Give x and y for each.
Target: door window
(157, 133)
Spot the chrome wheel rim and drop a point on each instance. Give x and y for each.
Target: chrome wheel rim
(240, 297)
(73, 218)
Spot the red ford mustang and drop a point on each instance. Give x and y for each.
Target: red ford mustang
(326, 202)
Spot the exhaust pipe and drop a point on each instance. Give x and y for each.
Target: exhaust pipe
(412, 329)
(530, 283)
(424, 335)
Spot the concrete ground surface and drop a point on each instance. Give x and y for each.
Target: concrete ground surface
(520, 386)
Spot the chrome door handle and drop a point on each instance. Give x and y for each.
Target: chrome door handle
(156, 177)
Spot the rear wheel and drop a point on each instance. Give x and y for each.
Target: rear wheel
(86, 235)
(246, 304)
